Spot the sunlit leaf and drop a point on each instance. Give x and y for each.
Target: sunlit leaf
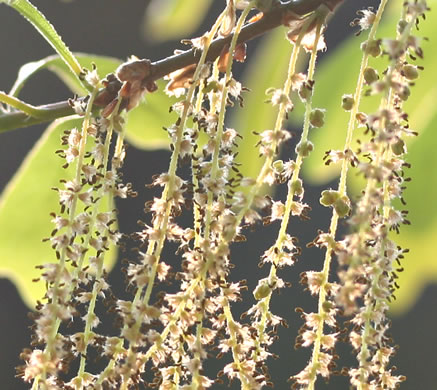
(169, 19)
(421, 192)
(420, 238)
(420, 268)
(25, 206)
(54, 63)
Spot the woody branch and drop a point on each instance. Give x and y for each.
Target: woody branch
(279, 14)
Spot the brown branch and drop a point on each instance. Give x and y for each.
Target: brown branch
(270, 20)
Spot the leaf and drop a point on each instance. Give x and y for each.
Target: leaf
(170, 19)
(145, 123)
(421, 193)
(420, 237)
(260, 76)
(54, 63)
(25, 206)
(46, 29)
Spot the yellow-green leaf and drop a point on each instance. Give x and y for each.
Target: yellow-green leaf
(170, 19)
(54, 63)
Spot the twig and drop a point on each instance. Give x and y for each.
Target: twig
(275, 17)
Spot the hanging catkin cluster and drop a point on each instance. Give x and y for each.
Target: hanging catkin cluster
(164, 340)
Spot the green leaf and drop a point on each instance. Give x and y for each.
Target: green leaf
(25, 206)
(420, 195)
(145, 123)
(46, 29)
(54, 63)
(260, 76)
(170, 19)
(420, 268)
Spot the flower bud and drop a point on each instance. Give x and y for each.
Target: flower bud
(370, 75)
(372, 47)
(317, 117)
(347, 102)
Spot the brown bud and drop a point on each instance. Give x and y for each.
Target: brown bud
(134, 70)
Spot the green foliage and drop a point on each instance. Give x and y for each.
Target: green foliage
(167, 19)
(55, 64)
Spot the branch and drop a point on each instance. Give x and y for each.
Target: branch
(275, 17)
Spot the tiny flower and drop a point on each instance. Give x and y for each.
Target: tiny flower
(365, 21)
(278, 209)
(92, 77)
(278, 97)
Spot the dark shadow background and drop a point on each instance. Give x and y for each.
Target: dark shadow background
(112, 27)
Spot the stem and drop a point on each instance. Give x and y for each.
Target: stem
(235, 345)
(28, 109)
(92, 304)
(357, 99)
(155, 246)
(46, 113)
(222, 111)
(270, 20)
(265, 303)
(342, 191)
(51, 338)
(384, 154)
